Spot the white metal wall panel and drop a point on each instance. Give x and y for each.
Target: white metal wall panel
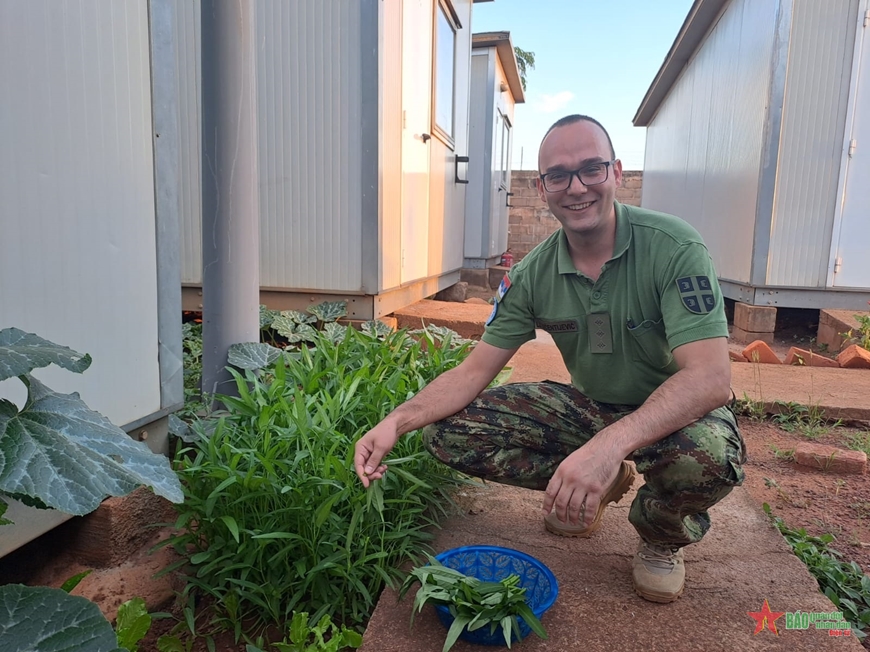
(446, 197)
(309, 94)
(851, 246)
(78, 251)
(390, 123)
(188, 75)
(704, 144)
(814, 114)
(477, 213)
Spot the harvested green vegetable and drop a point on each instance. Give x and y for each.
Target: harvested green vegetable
(472, 602)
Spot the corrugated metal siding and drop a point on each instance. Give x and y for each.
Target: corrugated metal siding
(704, 145)
(78, 252)
(309, 96)
(391, 144)
(188, 71)
(814, 113)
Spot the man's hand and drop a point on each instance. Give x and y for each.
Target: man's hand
(373, 447)
(578, 485)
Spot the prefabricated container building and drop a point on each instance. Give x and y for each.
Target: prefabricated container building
(758, 134)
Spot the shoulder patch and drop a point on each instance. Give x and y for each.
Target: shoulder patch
(503, 288)
(696, 293)
(492, 314)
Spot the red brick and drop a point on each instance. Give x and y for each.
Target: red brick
(830, 458)
(743, 336)
(759, 351)
(796, 356)
(854, 357)
(736, 357)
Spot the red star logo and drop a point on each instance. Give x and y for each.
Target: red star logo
(765, 616)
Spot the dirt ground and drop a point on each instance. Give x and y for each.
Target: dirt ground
(815, 500)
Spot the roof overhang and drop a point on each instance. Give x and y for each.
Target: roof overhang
(701, 17)
(501, 41)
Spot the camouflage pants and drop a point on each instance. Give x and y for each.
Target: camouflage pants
(519, 433)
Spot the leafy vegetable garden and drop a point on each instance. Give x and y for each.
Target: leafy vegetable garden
(274, 521)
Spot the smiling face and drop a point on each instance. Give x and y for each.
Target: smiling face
(581, 210)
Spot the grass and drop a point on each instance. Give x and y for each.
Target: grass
(806, 420)
(786, 455)
(844, 583)
(750, 408)
(859, 441)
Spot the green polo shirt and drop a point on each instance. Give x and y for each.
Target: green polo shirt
(616, 335)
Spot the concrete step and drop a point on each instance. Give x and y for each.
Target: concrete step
(741, 562)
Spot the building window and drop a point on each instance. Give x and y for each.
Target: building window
(505, 150)
(445, 65)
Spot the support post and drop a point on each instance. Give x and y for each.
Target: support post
(230, 206)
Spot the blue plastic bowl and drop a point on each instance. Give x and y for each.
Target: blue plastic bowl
(493, 564)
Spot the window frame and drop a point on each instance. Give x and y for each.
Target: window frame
(446, 8)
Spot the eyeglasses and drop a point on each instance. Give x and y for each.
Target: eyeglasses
(591, 175)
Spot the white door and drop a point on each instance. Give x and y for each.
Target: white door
(416, 137)
(852, 256)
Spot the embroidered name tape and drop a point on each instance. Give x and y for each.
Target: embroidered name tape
(566, 326)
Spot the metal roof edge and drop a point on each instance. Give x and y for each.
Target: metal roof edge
(501, 41)
(698, 21)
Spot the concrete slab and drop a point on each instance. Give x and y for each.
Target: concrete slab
(841, 393)
(740, 563)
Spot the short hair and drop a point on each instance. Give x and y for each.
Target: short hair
(576, 117)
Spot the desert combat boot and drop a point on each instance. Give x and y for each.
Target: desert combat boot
(658, 572)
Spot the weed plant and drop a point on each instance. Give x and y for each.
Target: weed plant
(807, 420)
(274, 519)
(845, 584)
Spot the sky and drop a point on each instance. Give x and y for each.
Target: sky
(592, 57)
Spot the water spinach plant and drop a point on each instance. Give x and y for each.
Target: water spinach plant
(473, 603)
(274, 519)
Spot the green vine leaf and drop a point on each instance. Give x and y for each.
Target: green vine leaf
(329, 310)
(21, 353)
(334, 332)
(303, 333)
(288, 323)
(252, 355)
(62, 453)
(376, 328)
(39, 618)
(266, 316)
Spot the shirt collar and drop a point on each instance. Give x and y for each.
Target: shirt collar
(620, 245)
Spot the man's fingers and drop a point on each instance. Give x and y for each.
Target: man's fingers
(591, 510)
(576, 508)
(550, 494)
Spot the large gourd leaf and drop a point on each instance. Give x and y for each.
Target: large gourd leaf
(253, 355)
(334, 332)
(21, 353)
(266, 316)
(376, 328)
(329, 310)
(39, 619)
(68, 456)
(288, 322)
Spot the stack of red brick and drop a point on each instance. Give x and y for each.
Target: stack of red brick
(853, 357)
